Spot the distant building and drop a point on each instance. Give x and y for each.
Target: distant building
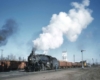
(64, 56)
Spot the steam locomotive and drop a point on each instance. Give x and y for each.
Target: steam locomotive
(37, 62)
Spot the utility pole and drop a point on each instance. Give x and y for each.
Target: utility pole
(82, 58)
(93, 61)
(96, 62)
(74, 58)
(1, 54)
(99, 58)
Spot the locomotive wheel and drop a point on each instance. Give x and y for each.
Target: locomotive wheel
(42, 67)
(28, 69)
(52, 67)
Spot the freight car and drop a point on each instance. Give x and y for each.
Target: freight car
(7, 65)
(66, 64)
(41, 62)
(62, 64)
(4, 66)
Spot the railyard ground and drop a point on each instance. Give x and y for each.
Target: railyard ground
(92, 73)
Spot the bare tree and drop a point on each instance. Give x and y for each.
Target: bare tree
(20, 58)
(11, 57)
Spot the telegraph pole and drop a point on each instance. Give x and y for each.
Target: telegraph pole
(93, 61)
(96, 62)
(74, 58)
(82, 58)
(99, 58)
(1, 54)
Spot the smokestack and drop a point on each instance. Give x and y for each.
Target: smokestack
(68, 24)
(33, 51)
(7, 30)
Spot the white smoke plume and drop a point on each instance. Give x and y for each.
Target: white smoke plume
(69, 24)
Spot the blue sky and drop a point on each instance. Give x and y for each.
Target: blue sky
(32, 15)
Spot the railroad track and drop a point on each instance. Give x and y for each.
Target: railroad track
(13, 74)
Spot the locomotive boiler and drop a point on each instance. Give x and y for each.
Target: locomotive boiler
(37, 62)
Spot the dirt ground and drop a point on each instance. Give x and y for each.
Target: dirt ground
(68, 74)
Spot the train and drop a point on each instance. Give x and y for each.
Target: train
(37, 62)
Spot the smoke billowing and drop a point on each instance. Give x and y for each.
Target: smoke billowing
(68, 24)
(7, 30)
